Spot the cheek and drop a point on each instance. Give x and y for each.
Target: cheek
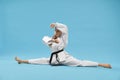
(59, 34)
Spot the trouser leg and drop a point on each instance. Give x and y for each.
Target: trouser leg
(88, 63)
(39, 61)
(71, 61)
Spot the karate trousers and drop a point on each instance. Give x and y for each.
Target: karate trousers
(68, 61)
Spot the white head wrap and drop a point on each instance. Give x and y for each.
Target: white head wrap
(64, 30)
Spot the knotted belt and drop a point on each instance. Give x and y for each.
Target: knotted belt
(55, 53)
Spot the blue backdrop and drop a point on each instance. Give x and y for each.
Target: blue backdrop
(94, 32)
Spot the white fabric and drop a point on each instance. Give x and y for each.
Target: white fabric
(63, 28)
(46, 40)
(57, 46)
(69, 61)
(39, 61)
(64, 57)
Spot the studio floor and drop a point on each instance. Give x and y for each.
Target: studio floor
(94, 34)
(10, 70)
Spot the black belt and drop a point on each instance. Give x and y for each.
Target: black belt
(55, 53)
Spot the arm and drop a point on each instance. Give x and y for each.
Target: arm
(54, 40)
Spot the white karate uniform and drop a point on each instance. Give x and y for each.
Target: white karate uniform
(63, 57)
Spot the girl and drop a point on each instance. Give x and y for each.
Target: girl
(59, 56)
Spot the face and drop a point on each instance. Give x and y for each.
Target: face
(58, 33)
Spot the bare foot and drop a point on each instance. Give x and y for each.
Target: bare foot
(18, 60)
(105, 65)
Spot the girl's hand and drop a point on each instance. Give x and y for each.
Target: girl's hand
(54, 40)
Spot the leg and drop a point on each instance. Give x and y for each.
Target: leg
(33, 61)
(71, 61)
(105, 65)
(91, 63)
(21, 61)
